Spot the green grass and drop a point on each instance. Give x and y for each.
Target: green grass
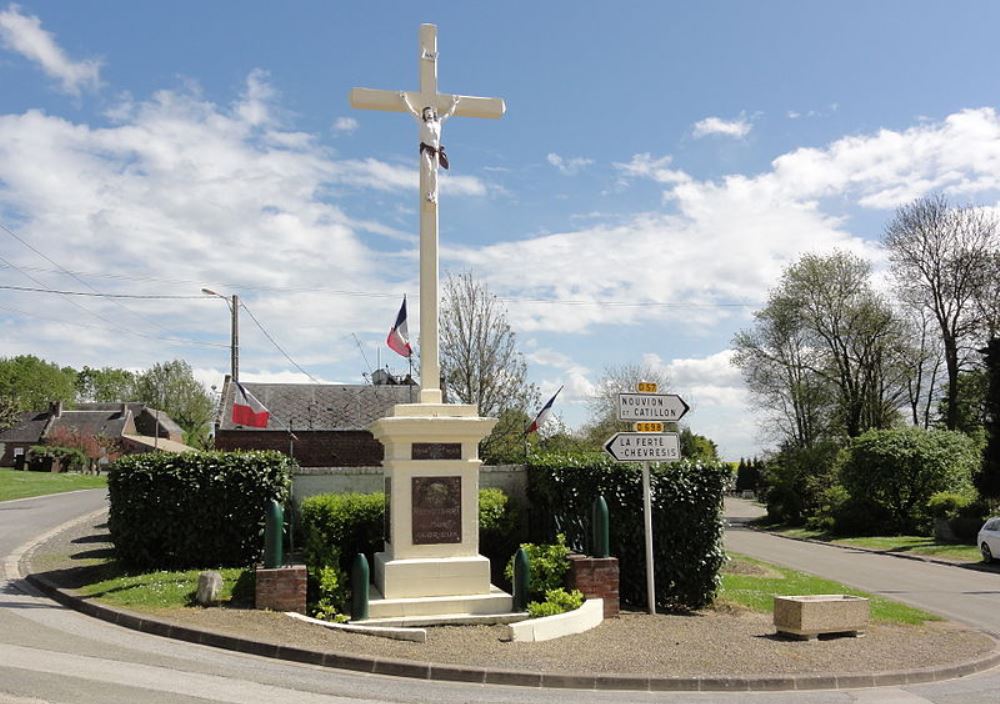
(165, 589)
(913, 544)
(21, 485)
(754, 584)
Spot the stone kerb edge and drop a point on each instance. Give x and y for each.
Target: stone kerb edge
(460, 673)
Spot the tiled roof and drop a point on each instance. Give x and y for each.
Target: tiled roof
(320, 406)
(161, 444)
(108, 423)
(137, 408)
(28, 429)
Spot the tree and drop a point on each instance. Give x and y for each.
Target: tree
(987, 478)
(937, 253)
(172, 388)
(93, 447)
(105, 385)
(899, 470)
(480, 361)
(28, 383)
(697, 447)
(925, 360)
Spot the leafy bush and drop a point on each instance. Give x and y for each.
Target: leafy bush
(795, 479)
(70, 459)
(548, 565)
(557, 601)
(331, 593)
(500, 530)
(899, 470)
(947, 504)
(196, 509)
(687, 520)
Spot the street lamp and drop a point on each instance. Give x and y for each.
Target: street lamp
(234, 309)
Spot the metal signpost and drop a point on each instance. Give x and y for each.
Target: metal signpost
(649, 443)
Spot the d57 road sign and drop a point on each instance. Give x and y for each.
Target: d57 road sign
(644, 447)
(669, 407)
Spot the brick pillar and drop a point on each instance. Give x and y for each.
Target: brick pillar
(281, 588)
(597, 578)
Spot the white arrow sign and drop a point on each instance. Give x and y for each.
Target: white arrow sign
(644, 447)
(651, 407)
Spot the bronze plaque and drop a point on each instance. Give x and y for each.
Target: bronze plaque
(437, 510)
(436, 451)
(387, 516)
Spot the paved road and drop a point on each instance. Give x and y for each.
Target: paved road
(969, 595)
(52, 655)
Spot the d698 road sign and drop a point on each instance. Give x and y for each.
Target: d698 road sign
(644, 447)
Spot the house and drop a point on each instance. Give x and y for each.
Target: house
(137, 428)
(320, 425)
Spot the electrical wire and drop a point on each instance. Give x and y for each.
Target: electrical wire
(276, 345)
(98, 294)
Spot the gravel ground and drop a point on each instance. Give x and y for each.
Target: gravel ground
(709, 643)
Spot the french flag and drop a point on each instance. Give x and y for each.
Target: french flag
(399, 336)
(542, 416)
(247, 410)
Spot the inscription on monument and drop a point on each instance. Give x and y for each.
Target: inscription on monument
(437, 510)
(436, 451)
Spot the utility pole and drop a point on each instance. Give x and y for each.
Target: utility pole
(234, 342)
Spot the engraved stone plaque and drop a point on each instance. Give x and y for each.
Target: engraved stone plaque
(436, 451)
(437, 510)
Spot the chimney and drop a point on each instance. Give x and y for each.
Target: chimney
(56, 409)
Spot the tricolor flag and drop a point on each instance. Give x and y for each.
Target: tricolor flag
(543, 415)
(399, 336)
(247, 410)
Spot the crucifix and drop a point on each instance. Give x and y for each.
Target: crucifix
(430, 108)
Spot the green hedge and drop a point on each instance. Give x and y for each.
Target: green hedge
(336, 527)
(687, 520)
(196, 509)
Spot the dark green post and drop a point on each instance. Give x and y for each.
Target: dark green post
(600, 525)
(522, 579)
(359, 588)
(274, 528)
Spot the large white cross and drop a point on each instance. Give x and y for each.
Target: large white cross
(467, 106)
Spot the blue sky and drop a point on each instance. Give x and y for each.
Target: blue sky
(658, 166)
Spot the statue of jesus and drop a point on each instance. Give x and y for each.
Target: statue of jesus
(431, 150)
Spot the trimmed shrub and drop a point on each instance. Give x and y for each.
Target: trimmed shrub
(70, 459)
(500, 531)
(899, 470)
(795, 480)
(196, 509)
(687, 520)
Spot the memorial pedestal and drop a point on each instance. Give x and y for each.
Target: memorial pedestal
(431, 563)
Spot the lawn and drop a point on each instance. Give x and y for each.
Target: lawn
(753, 584)
(166, 589)
(20, 485)
(913, 544)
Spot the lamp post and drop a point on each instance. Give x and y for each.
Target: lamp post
(234, 309)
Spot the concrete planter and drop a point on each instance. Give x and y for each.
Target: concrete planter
(809, 616)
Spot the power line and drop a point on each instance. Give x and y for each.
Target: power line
(275, 343)
(97, 294)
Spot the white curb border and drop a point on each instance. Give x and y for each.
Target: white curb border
(589, 615)
(416, 635)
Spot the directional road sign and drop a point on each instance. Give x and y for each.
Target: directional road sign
(644, 447)
(669, 407)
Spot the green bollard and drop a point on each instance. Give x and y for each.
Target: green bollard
(600, 525)
(522, 579)
(359, 588)
(274, 525)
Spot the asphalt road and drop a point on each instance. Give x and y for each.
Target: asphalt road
(970, 595)
(52, 655)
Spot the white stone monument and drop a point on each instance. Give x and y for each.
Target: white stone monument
(431, 568)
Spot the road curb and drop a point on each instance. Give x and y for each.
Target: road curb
(479, 675)
(873, 551)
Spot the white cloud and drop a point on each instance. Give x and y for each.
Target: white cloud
(24, 35)
(345, 125)
(568, 166)
(738, 128)
(645, 165)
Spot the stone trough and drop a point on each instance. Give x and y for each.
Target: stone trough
(807, 617)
